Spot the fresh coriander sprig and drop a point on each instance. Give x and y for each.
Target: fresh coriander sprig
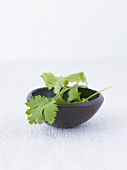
(41, 108)
(51, 81)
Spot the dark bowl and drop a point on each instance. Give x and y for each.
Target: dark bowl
(72, 114)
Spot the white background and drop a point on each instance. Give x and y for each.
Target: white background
(63, 37)
(57, 29)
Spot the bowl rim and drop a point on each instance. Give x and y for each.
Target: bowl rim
(94, 101)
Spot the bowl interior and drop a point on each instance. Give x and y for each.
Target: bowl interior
(85, 92)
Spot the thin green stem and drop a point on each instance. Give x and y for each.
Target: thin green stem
(98, 92)
(62, 91)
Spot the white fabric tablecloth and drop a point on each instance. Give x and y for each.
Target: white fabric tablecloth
(99, 144)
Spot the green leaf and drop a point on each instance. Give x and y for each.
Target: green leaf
(77, 77)
(50, 112)
(38, 105)
(73, 94)
(36, 101)
(59, 84)
(35, 115)
(53, 81)
(60, 100)
(49, 79)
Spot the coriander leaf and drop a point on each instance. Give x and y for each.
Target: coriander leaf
(38, 105)
(73, 94)
(49, 113)
(49, 79)
(36, 101)
(59, 84)
(77, 77)
(52, 81)
(35, 115)
(60, 100)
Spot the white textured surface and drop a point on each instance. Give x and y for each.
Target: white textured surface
(99, 144)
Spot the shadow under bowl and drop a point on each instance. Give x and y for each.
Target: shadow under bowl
(72, 114)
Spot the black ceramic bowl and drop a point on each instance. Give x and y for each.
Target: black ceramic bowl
(73, 114)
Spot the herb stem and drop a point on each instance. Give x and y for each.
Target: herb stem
(62, 91)
(98, 92)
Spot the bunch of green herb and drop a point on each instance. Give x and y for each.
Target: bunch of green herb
(42, 108)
